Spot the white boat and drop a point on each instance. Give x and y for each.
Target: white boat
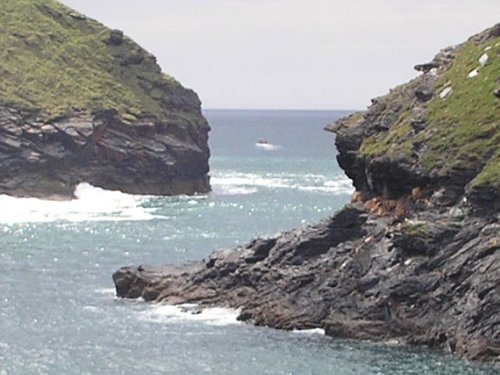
(265, 145)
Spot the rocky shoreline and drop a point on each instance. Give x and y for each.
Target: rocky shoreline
(47, 159)
(431, 279)
(90, 105)
(415, 255)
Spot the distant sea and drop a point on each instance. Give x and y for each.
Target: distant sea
(58, 312)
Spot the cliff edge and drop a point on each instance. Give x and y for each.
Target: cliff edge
(80, 102)
(415, 256)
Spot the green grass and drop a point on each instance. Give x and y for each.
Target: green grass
(489, 175)
(466, 125)
(395, 143)
(462, 131)
(415, 228)
(54, 61)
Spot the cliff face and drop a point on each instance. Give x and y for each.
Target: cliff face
(415, 257)
(438, 134)
(80, 102)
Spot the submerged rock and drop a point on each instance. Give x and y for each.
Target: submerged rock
(414, 257)
(80, 102)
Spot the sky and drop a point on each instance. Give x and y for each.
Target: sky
(292, 54)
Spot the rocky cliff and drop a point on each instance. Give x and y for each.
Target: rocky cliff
(415, 256)
(80, 102)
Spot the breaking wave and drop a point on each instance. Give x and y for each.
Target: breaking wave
(216, 316)
(312, 331)
(91, 204)
(237, 183)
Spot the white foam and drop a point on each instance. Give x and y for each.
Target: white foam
(236, 183)
(191, 198)
(393, 342)
(91, 308)
(91, 204)
(106, 291)
(234, 190)
(313, 331)
(217, 316)
(343, 186)
(249, 179)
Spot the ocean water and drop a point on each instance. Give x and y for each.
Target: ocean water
(58, 312)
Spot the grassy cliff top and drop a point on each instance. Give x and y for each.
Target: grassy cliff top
(466, 124)
(55, 59)
(461, 123)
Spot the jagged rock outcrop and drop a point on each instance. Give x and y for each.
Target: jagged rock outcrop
(414, 257)
(414, 280)
(439, 133)
(82, 103)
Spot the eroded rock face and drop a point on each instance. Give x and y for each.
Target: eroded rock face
(414, 257)
(48, 158)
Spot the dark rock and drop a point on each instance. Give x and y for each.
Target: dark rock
(439, 288)
(101, 149)
(261, 249)
(492, 32)
(427, 67)
(77, 16)
(115, 37)
(418, 120)
(360, 329)
(423, 94)
(446, 196)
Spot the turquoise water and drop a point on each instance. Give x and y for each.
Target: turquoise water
(58, 313)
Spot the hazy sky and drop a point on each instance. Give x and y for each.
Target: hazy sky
(297, 54)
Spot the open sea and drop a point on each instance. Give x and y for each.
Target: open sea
(58, 311)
